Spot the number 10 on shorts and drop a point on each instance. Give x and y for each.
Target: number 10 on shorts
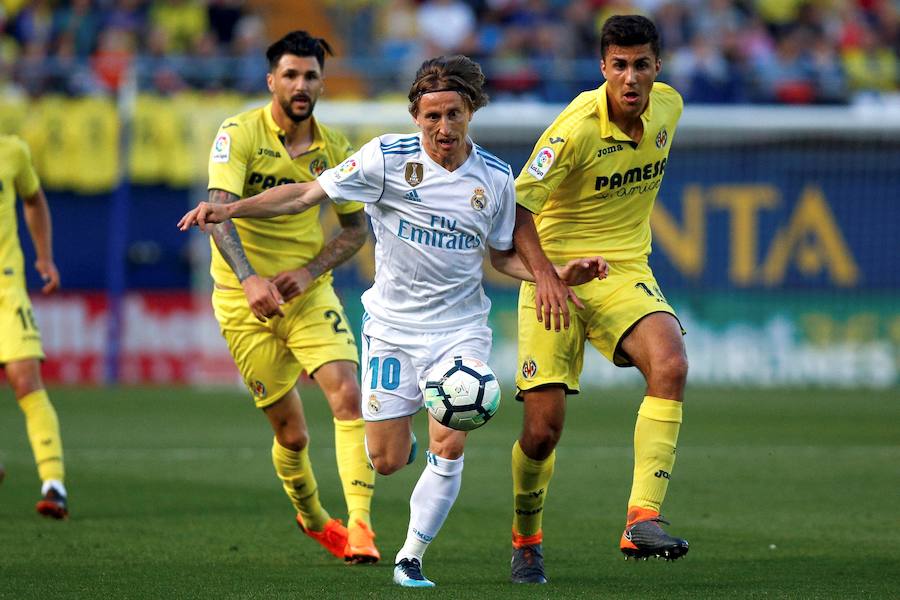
(389, 369)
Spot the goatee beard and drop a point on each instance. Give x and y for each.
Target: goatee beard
(286, 106)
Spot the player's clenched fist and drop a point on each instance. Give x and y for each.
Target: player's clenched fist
(205, 214)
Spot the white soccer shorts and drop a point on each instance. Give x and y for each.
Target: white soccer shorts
(395, 364)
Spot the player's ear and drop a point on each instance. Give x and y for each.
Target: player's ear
(270, 81)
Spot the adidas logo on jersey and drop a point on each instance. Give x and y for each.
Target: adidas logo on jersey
(412, 196)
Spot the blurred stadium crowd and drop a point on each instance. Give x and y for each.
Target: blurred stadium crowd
(715, 51)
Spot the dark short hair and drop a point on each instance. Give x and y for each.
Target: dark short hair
(455, 73)
(628, 30)
(298, 43)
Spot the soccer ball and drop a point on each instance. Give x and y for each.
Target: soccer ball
(462, 393)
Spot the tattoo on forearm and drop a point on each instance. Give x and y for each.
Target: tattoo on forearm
(227, 239)
(338, 250)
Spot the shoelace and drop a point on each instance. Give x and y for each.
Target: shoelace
(412, 569)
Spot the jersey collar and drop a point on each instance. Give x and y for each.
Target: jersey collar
(608, 129)
(318, 140)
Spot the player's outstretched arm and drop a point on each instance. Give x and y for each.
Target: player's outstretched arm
(37, 218)
(576, 272)
(262, 295)
(284, 199)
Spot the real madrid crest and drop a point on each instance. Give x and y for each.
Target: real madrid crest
(478, 200)
(415, 172)
(374, 404)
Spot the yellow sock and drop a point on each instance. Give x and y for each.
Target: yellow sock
(296, 474)
(357, 475)
(655, 436)
(530, 481)
(42, 425)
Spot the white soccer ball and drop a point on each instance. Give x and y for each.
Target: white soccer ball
(462, 393)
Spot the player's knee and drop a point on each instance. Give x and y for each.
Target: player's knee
(672, 371)
(385, 464)
(538, 442)
(347, 412)
(346, 405)
(24, 381)
(293, 438)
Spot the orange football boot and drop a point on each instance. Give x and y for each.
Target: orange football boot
(360, 547)
(333, 536)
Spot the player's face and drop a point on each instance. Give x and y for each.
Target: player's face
(296, 84)
(444, 119)
(630, 72)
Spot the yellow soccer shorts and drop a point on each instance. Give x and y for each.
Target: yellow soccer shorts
(611, 308)
(20, 337)
(270, 356)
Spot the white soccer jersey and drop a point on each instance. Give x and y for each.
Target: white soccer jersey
(432, 228)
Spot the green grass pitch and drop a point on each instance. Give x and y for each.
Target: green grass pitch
(782, 494)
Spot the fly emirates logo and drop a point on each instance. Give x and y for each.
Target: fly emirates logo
(441, 233)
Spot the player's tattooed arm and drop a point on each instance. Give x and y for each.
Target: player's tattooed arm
(354, 231)
(227, 239)
(262, 295)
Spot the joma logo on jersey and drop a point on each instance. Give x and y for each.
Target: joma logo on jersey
(635, 175)
(609, 150)
(662, 474)
(267, 181)
(269, 152)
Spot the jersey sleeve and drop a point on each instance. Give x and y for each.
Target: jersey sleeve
(345, 208)
(360, 177)
(550, 162)
(500, 236)
(228, 159)
(26, 181)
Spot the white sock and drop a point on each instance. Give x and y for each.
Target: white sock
(53, 483)
(430, 503)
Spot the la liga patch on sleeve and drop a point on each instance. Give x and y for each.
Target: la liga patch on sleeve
(542, 162)
(221, 148)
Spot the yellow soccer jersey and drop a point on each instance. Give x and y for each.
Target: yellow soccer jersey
(591, 188)
(248, 157)
(17, 176)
